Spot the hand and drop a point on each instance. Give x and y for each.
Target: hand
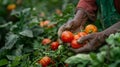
(96, 39)
(71, 25)
(93, 40)
(76, 24)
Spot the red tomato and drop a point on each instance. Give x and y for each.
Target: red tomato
(54, 45)
(46, 22)
(76, 37)
(81, 34)
(75, 45)
(46, 41)
(67, 36)
(45, 61)
(66, 65)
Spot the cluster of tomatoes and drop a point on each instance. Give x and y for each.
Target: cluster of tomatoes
(46, 60)
(69, 37)
(66, 37)
(54, 45)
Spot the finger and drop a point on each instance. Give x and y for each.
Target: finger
(85, 38)
(83, 49)
(74, 50)
(92, 42)
(61, 29)
(95, 43)
(69, 24)
(90, 46)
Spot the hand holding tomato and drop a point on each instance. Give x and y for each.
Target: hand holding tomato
(69, 37)
(94, 40)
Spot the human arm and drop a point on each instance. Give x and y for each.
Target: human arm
(86, 9)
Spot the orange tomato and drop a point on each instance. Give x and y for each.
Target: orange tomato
(75, 45)
(58, 11)
(44, 23)
(11, 7)
(54, 45)
(91, 28)
(45, 61)
(46, 41)
(81, 34)
(67, 36)
(76, 37)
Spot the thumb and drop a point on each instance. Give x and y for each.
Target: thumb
(85, 38)
(61, 29)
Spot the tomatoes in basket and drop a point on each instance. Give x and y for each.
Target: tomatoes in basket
(54, 45)
(91, 28)
(67, 36)
(45, 61)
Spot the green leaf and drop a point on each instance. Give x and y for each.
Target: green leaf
(36, 45)
(3, 62)
(11, 40)
(16, 58)
(26, 10)
(101, 56)
(115, 64)
(15, 63)
(18, 51)
(93, 56)
(78, 58)
(5, 25)
(27, 33)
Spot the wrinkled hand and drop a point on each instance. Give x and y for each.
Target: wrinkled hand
(96, 39)
(93, 40)
(76, 24)
(71, 25)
